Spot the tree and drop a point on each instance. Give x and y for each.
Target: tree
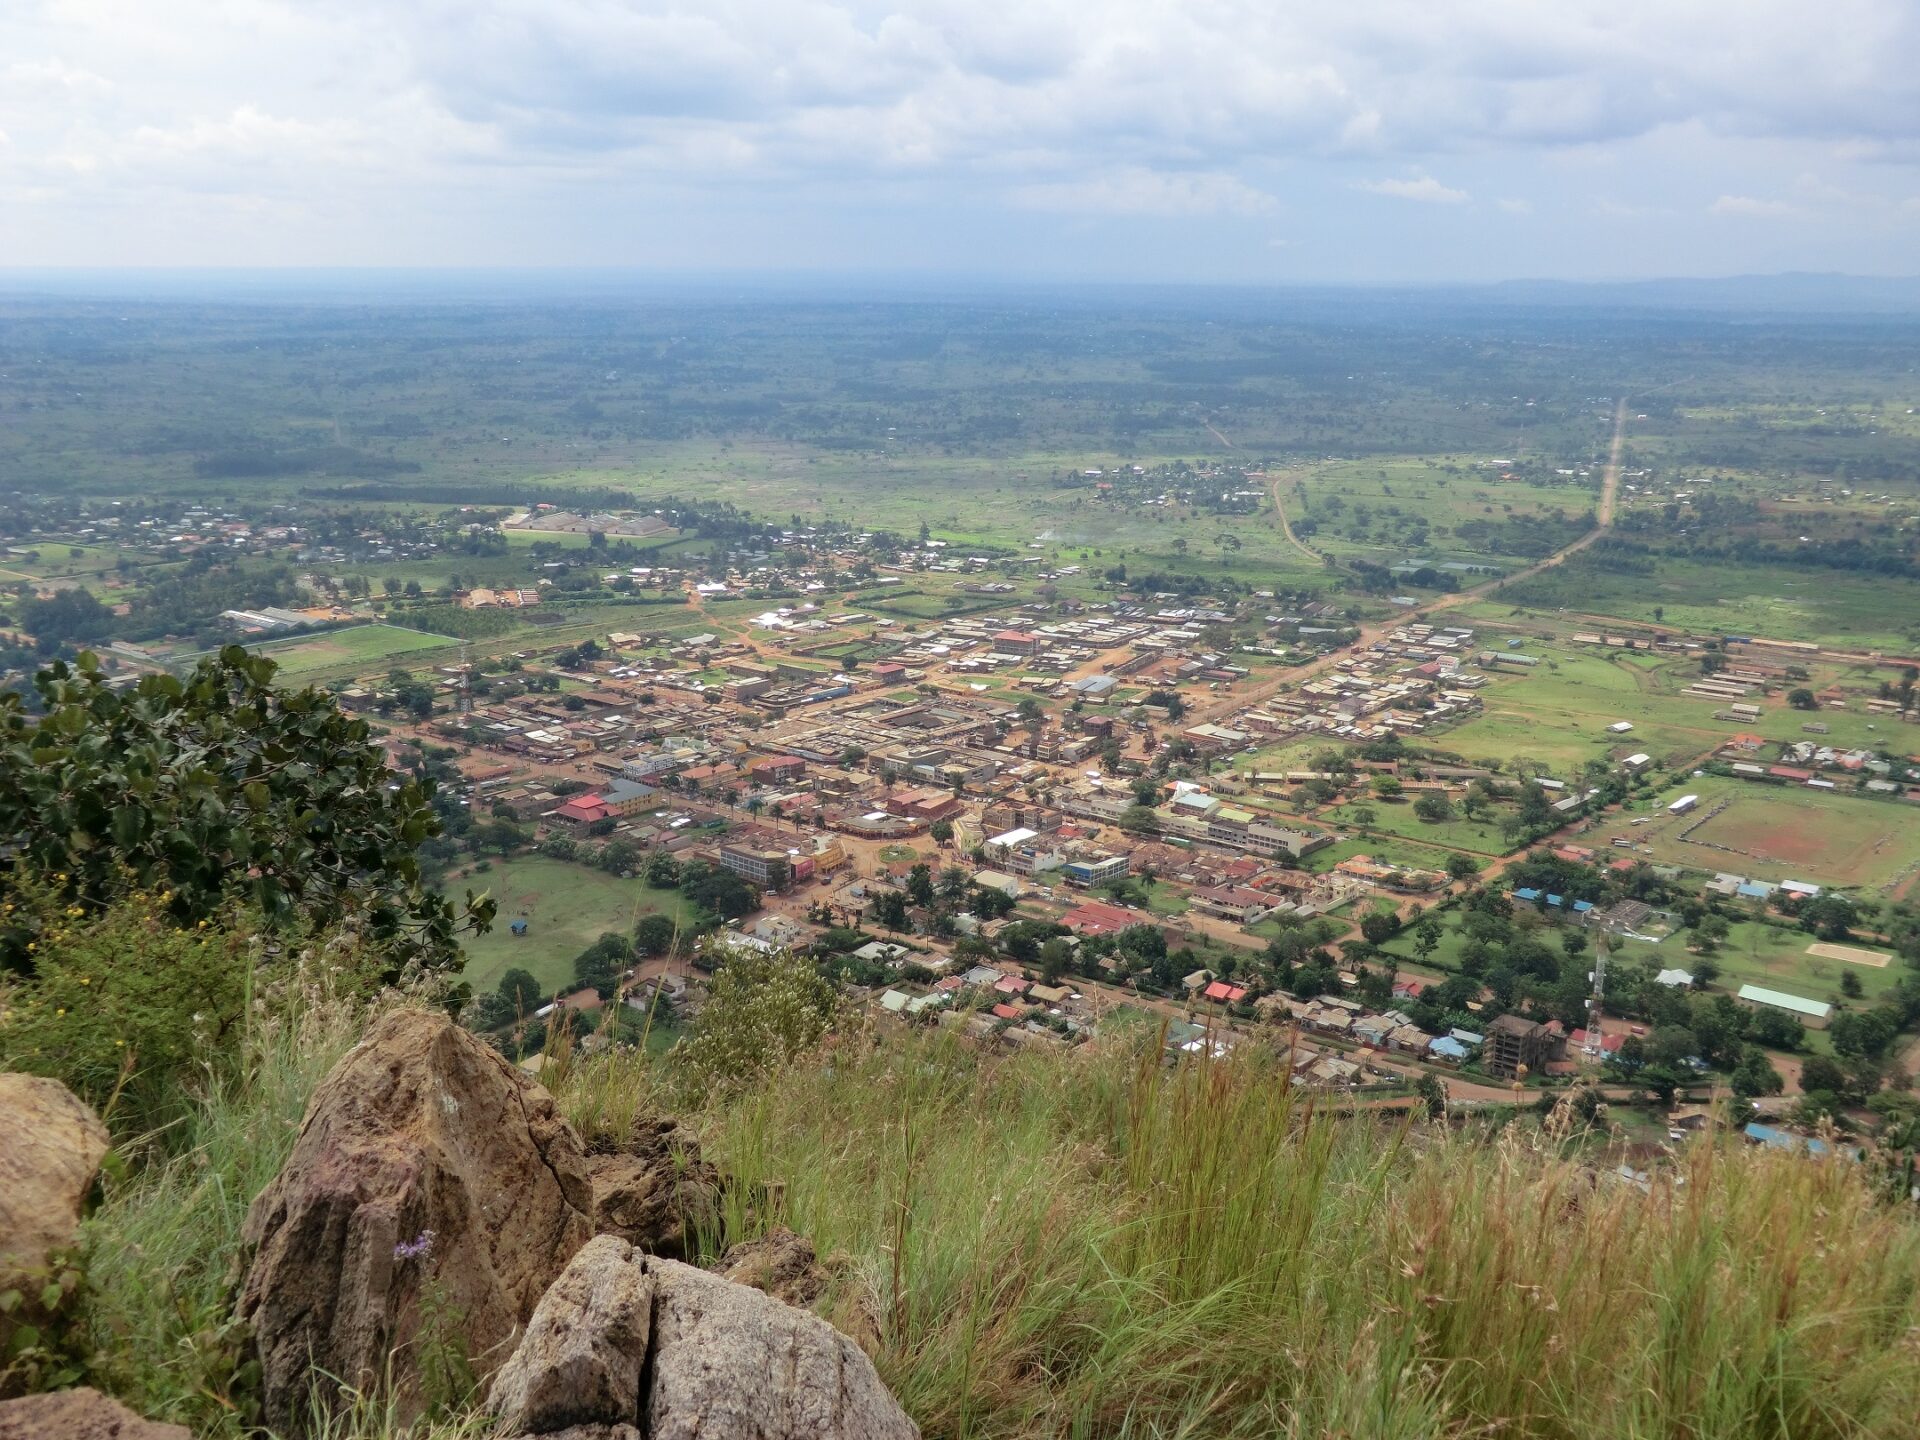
(219, 788)
(1140, 820)
(1462, 867)
(920, 884)
(1755, 1076)
(1819, 1072)
(1426, 938)
(1864, 1034)
(655, 934)
(520, 992)
(1433, 808)
(1432, 1091)
(663, 871)
(1380, 926)
(941, 832)
(1387, 787)
(602, 962)
(1801, 698)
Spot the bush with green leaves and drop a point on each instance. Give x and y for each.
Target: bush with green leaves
(761, 1012)
(214, 790)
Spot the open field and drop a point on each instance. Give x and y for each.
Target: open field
(1396, 817)
(1842, 608)
(365, 646)
(566, 906)
(1772, 833)
(1558, 712)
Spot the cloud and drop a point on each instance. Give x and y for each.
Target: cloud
(1424, 188)
(1135, 191)
(1749, 208)
(394, 116)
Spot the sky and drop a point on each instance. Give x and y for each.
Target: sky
(1231, 141)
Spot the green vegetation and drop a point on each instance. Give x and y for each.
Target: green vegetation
(567, 906)
(1066, 1249)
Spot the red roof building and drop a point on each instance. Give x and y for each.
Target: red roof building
(1095, 918)
(1226, 994)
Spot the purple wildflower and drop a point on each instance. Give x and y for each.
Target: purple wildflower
(415, 1249)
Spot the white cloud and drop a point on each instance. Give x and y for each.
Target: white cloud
(384, 113)
(1135, 191)
(1423, 188)
(1750, 208)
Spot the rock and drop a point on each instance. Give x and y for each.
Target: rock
(626, 1342)
(79, 1415)
(655, 1191)
(51, 1145)
(423, 1157)
(780, 1263)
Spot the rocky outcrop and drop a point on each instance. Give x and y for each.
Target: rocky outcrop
(425, 1162)
(79, 1415)
(655, 1191)
(51, 1145)
(628, 1344)
(780, 1263)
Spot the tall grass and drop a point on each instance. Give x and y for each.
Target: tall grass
(1094, 1245)
(1097, 1247)
(163, 1248)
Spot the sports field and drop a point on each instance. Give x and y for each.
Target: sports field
(364, 645)
(566, 906)
(1774, 833)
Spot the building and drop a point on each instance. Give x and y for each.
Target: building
(775, 769)
(1814, 1013)
(1095, 870)
(769, 869)
(1513, 1042)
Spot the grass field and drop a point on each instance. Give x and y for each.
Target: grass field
(566, 906)
(1779, 959)
(1772, 833)
(358, 645)
(1483, 837)
(1831, 607)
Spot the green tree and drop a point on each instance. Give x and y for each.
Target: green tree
(654, 934)
(520, 991)
(219, 788)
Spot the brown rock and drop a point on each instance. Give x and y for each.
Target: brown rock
(79, 1415)
(712, 1361)
(424, 1159)
(655, 1191)
(51, 1145)
(780, 1263)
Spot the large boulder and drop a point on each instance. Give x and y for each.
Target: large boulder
(631, 1344)
(51, 1145)
(655, 1191)
(427, 1169)
(79, 1415)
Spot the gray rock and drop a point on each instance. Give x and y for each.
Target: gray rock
(712, 1360)
(79, 1415)
(424, 1160)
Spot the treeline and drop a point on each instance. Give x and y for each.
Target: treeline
(268, 462)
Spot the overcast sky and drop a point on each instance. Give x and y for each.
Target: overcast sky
(1206, 140)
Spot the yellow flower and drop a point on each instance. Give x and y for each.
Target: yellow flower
(86, 980)
(119, 1042)
(61, 1011)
